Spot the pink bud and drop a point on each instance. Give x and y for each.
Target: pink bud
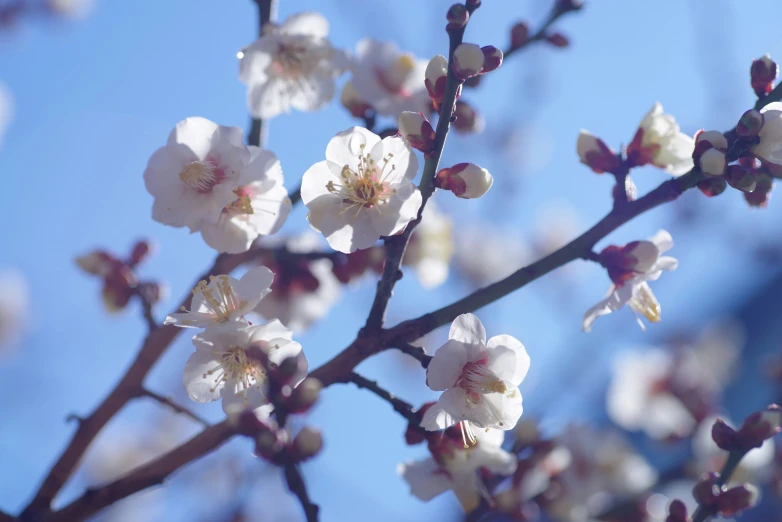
(435, 77)
(750, 123)
(737, 499)
(457, 16)
(739, 178)
(417, 130)
(519, 34)
(713, 162)
(467, 61)
(466, 119)
(98, 263)
(724, 436)
(305, 395)
(759, 427)
(706, 491)
(762, 193)
(677, 512)
(763, 73)
(712, 187)
(715, 139)
(465, 180)
(139, 252)
(492, 58)
(307, 443)
(558, 40)
(118, 287)
(594, 153)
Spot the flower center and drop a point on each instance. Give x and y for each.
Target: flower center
(200, 176)
(235, 365)
(645, 303)
(477, 379)
(395, 76)
(290, 60)
(219, 297)
(364, 187)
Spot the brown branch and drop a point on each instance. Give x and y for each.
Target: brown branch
(403, 408)
(266, 10)
(296, 485)
(144, 392)
(5, 517)
(415, 352)
(540, 34)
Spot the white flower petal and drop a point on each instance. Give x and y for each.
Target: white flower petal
(446, 366)
(200, 377)
(521, 361)
(467, 328)
(426, 478)
(307, 23)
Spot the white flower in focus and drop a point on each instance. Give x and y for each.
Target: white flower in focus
(260, 208)
(222, 366)
(454, 467)
(303, 291)
(292, 65)
(770, 147)
(363, 190)
(224, 299)
(479, 379)
(638, 398)
(485, 254)
(635, 292)
(193, 176)
(389, 80)
(431, 247)
(14, 307)
(660, 142)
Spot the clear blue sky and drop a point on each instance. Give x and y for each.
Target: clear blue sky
(95, 98)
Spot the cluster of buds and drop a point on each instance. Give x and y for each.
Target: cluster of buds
(471, 60)
(757, 428)
(716, 498)
(465, 180)
(275, 444)
(709, 152)
(763, 73)
(120, 282)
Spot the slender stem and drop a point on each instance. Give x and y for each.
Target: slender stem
(144, 392)
(295, 195)
(296, 484)
(540, 34)
(702, 514)
(266, 9)
(416, 352)
(405, 409)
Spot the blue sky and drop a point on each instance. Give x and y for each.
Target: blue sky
(94, 98)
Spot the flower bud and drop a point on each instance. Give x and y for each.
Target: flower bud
(738, 178)
(457, 16)
(416, 129)
(762, 193)
(677, 512)
(750, 123)
(713, 162)
(268, 444)
(714, 139)
(492, 58)
(248, 424)
(305, 395)
(519, 34)
(467, 61)
(465, 180)
(118, 287)
(139, 252)
(706, 491)
(558, 40)
(623, 263)
(594, 153)
(712, 186)
(435, 77)
(466, 119)
(352, 102)
(307, 443)
(98, 263)
(737, 499)
(760, 426)
(762, 74)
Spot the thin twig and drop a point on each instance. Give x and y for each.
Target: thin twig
(702, 514)
(144, 392)
(416, 352)
(297, 486)
(295, 195)
(540, 34)
(405, 409)
(257, 127)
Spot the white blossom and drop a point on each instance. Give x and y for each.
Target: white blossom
(454, 467)
(388, 79)
(193, 177)
(260, 208)
(479, 379)
(225, 299)
(770, 147)
(292, 65)
(14, 307)
(223, 368)
(431, 247)
(636, 292)
(467, 60)
(660, 142)
(363, 190)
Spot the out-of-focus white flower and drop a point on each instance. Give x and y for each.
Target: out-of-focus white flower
(456, 467)
(431, 247)
(73, 9)
(479, 379)
(350, 99)
(660, 142)
(193, 177)
(363, 190)
(14, 307)
(635, 292)
(223, 368)
(388, 79)
(465, 180)
(303, 291)
(260, 208)
(485, 254)
(224, 299)
(6, 110)
(292, 65)
(770, 147)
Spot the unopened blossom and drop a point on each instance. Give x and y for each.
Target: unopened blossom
(224, 299)
(291, 66)
(467, 61)
(431, 247)
(492, 58)
(770, 147)
(436, 76)
(260, 208)
(763, 73)
(479, 379)
(634, 291)
(303, 291)
(416, 129)
(713, 162)
(224, 367)
(363, 190)
(14, 307)
(465, 180)
(193, 177)
(456, 467)
(659, 142)
(593, 152)
(390, 80)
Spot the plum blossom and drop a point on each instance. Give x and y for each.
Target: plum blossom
(292, 65)
(631, 287)
(224, 299)
(770, 147)
(431, 247)
(193, 176)
(303, 290)
(222, 366)
(14, 307)
(363, 190)
(456, 467)
(260, 208)
(660, 142)
(388, 79)
(479, 379)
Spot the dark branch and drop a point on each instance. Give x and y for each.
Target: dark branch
(297, 486)
(144, 392)
(415, 352)
(405, 409)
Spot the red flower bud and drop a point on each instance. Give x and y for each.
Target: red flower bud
(492, 58)
(712, 186)
(519, 34)
(457, 16)
(763, 73)
(139, 252)
(558, 40)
